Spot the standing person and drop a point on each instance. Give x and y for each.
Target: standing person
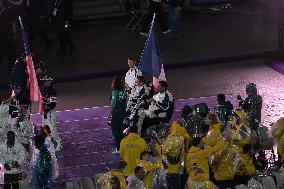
(12, 155)
(24, 128)
(131, 74)
(63, 13)
(42, 170)
(130, 149)
(39, 12)
(6, 38)
(252, 106)
(155, 6)
(175, 13)
(117, 110)
(49, 100)
(5, 119)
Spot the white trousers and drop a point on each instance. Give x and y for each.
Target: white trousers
(142, 114)
(51, 122)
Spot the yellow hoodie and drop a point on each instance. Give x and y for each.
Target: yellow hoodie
(104, 180)
(149, 168)
(213, 136)
(130, 149)
(200, 157)
(176, 144)
(279, 134)
(226, 162)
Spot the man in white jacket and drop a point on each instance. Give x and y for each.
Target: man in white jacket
(5, 119)
(12, 155)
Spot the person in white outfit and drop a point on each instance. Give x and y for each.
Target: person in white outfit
(159, 107)
(49, 100)
(131, 74)
(5, 119)
(12, 155)
(139, 91)
(24, 129)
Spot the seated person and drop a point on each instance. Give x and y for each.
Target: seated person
(161, 107)
(139, 91)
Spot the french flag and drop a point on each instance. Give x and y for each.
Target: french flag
(151, 62)
(35, 94)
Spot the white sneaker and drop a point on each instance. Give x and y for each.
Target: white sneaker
(167, 31)
(115, 152)
(59, 146)
(144, 34)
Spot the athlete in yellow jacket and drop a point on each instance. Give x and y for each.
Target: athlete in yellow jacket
(130, 149)
(104, 180)
(197, 164)
(214, 132)
(149, 168)
(278, 132)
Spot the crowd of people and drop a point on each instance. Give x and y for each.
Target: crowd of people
(219, 148)
(27, 151)
(37, 16)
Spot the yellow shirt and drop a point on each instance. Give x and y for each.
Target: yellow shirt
(130, 149)
(279, 134)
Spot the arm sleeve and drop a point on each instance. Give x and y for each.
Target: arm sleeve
(278, 128)
(22, 154)
(113, 98)
(214, 149)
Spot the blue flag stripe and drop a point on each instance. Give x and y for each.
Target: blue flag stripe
(151, 62)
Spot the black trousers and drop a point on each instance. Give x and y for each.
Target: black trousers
(116, 127)
(63, 34)
(154, 7)
(173, 181)
(11, 181)
(36, 29)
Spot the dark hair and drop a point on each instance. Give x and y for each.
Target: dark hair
(0, 98)
(132, 58)
(164, 84)
(117, 83)
(142, 79)
(133, 129)
(213, 117)
(39, 141)
(137, 169)
(121, 164)
(221, 97)
(116, 180)
(10, 133)
(143, 154)
(195, 141)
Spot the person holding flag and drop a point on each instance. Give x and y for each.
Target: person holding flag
(131, 74)
(49, 102)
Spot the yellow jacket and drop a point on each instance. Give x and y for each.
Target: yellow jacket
(191, 184)
(279, 134)
(149, 168)
(224, 163)
(240, 134)
(213, 136)
(130, 149)
(104, 180)
(176, 144)
(246, 166)
(200, 157)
